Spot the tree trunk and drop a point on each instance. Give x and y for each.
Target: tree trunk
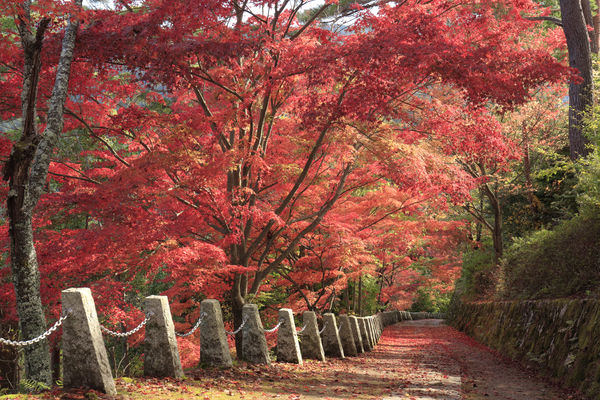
(527, 171)
(55, 357)
(360, 302)
(596, 23)
(497, 227)
(580, 94)
(354, 295)
(238, 299)
(26, 171)
(347, 296)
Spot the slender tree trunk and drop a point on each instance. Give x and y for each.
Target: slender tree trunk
(347, 297)
(527, 171)
(237, 303)
(55, 357)
(478, 224)
(596, 24)
(360, 299)
(497, 227)
(580, 94)
(354, 297)
(26, 171)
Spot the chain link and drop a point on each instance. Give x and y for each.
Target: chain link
(44, 335)
(274, 328)
(323, 330)
(302, 330)
(196, 326)
(238, 329)
(131, 332)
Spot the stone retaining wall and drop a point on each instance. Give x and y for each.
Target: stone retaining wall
(560, 336)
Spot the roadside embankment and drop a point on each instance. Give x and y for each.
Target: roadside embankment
(561, 336)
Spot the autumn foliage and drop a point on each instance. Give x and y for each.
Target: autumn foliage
(217, 149)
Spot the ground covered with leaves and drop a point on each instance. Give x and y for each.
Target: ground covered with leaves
(418, 360)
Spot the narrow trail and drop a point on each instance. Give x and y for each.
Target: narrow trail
(439, 362)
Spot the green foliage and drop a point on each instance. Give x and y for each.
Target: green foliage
(589, 183)
(31, 386)
(559, 263)
(478, 275)
(431, 300)
(554, 196)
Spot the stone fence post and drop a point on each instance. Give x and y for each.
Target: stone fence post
(85, 362)
(161, 355)
(214, 349)
(356, 334)
(346, 337)
(364, 332)
(288, 348)
(310, 340)
(254, 343)
(330, 337)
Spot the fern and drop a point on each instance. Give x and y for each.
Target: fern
(31, 386)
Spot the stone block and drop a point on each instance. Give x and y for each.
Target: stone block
(214, 349)
(346, 336)
(330, 337)
(372, 330)
(161, 355)
(85, 362)
(310, 340)
(364, 333)
(254, 343)
(356, 334)
(288, 348)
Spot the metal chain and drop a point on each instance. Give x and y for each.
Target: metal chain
(196, 326)
(340, 327)
(44, 335)
(323, 330)
(302, 330)
(274, 328)
(238, 329)
(131, 332)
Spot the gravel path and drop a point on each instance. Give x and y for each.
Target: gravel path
(439, 362)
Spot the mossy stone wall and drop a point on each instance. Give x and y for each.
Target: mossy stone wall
(561, 336)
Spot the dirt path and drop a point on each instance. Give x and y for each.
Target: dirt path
(442, 363)
(414, 360)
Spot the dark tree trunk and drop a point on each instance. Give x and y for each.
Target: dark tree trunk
(55, 362)
(580, 57)
(497, 224)
(527, 171)
(238, 295)
(347, 297)
(360, 302)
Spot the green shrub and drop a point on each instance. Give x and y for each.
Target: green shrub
(559, 263)
(478, 275)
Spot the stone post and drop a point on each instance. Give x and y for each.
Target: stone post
(254, 343)
(356, 334)
(85, 363)
(214, 349)
(364, 333)
(330, 337)
(372, 331)
(161, 356)
(288, 348)
(346, 336)
(310, 341)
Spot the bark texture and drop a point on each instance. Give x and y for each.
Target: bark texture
(580, 57)
(26, 171)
